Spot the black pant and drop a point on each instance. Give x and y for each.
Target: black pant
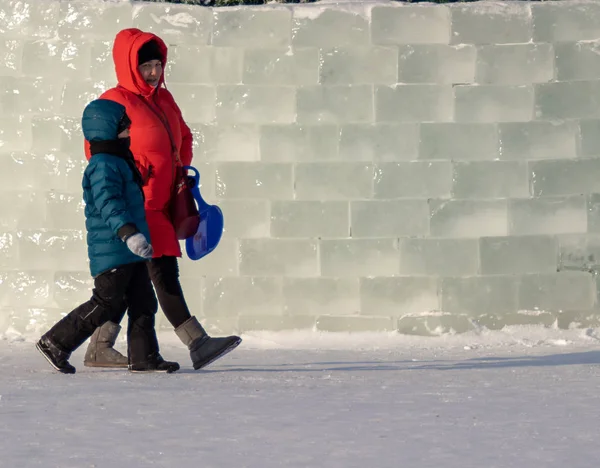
(127, 286)
(164, 273)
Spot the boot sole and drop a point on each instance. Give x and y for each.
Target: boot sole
(152, 371)
(38, 347)
(219, 356)
(109, 366)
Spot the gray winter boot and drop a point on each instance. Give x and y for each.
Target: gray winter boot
(203, 348)
(100, 352)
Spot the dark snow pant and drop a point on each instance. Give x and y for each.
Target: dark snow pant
(164, 273)
(127, 286)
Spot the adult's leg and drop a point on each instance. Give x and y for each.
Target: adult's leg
(142, 344)
(100, 351)
(72, 330)
(164, 273)
(203, 348)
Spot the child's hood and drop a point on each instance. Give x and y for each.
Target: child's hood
(100, 120)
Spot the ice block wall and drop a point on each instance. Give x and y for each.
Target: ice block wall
(381, 166)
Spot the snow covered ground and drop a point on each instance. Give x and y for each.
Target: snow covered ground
(524, 397)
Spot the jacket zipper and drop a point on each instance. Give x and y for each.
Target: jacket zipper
(174, 152)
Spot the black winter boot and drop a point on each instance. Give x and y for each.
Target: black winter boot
(204, 349)
(142, 347)
(154, 363)
(57, 358)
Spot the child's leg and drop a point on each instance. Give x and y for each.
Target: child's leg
(142, 343)
(71, 331)
(142, 308)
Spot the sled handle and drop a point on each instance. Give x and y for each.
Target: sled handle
(195, 177)
(195, 188)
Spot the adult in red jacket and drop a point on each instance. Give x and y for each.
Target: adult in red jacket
(160, 141)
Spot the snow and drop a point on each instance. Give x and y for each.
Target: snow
(521, 397)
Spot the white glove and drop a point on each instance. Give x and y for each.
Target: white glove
(139, 245)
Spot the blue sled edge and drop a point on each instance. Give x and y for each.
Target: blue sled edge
(210, 229)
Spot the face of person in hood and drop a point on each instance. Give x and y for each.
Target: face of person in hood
(151, 72)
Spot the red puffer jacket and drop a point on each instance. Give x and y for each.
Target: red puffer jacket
(160, 139)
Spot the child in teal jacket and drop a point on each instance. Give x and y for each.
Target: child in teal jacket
(118, 247)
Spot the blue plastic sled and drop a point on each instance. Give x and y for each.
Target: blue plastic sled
(210, 230)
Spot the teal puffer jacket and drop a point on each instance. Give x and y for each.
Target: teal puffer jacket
(114, 201)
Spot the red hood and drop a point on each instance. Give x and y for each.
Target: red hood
(125, 55)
